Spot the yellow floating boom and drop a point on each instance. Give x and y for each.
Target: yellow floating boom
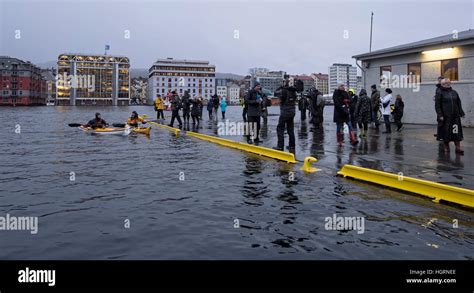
(175, 130)
(435, 191)
(263, 151)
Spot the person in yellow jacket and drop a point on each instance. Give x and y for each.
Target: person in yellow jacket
(159, 107)
(135, 119)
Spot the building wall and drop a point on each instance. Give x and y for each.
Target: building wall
(234, 94)
(221, 91)
(177, 75)
(419, 106)
(111, 80)
(322, 83)
(21, 83)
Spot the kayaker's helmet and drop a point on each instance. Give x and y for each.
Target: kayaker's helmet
(97, 115)
(134, 114)
(352, 91)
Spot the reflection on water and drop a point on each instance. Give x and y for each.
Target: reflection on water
(182, 195)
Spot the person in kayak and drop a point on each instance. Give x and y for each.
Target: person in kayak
(135, 119)
(97, 122)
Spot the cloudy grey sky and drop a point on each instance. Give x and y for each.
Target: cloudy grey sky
(295, 36)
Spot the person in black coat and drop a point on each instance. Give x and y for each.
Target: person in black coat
(438, 87)
(363, 112)
(196, 104)
(398, 112)
(253, 101)
(175, 106)
(316, 107)
(303, 107)
(287, 95)
(186, 106)
(352, 106)
(215, 104)
(449, 112)
(341, 115)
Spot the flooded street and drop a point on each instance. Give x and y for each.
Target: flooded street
(183, 196)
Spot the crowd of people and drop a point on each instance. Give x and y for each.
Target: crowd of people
(191, 107)
(353, 112)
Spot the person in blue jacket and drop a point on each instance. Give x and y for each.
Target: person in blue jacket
(223, 107)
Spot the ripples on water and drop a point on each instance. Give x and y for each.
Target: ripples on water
(138, 178)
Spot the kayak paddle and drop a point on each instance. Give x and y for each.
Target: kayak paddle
(74, 124)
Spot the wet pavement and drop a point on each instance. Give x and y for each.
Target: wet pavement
(280, 217)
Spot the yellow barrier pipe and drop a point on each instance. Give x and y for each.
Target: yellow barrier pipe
(263, 151)
(175, 130)
(435, 191)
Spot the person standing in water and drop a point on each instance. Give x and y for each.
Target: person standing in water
(159, 107)
(175, 106)
(449, 111)
(223, 108)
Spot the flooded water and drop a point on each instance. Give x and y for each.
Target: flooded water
(183, 197)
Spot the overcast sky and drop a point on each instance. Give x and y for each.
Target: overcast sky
(295, 36)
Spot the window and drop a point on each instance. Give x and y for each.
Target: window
(449, 69)
(414, 70)
(385, 74)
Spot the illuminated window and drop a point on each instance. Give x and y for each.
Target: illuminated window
(449, 69)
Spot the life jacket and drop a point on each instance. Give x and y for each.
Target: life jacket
(159, 104)
(134, 121)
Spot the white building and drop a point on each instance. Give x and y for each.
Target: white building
(198, 77)
(221, 91)
(234, 94)
(342, 74)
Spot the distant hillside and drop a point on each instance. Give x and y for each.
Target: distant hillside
(229, 76)
(47, 64)
(139, 72)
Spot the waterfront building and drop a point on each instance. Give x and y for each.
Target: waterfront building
(198, 77)
(411, 70)
(87, 79)
(49, 77)
(21, 83)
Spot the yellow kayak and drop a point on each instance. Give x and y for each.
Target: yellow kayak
(142, 130)
(107, 131)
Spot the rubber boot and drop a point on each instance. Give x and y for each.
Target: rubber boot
(446, 147)
(353, 138)
(340, 138)
(458, 148)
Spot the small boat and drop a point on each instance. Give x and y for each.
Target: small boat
(107, 131)
(142, 130)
